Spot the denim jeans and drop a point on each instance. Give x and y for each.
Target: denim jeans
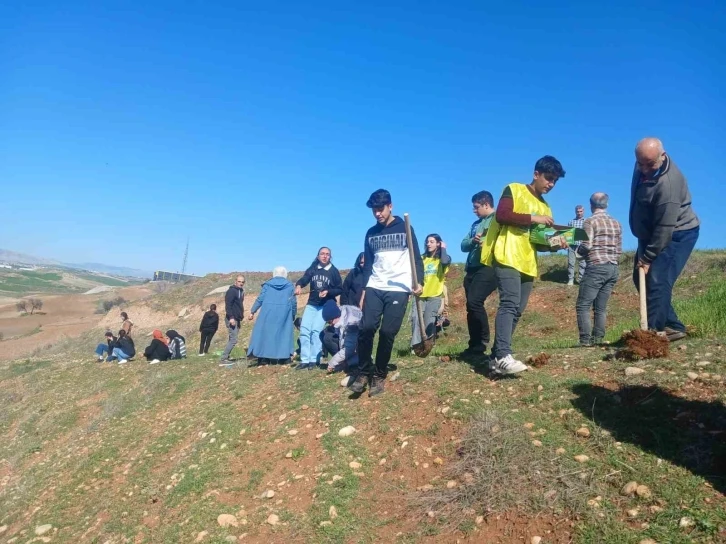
(119, 354)
(595, 289)
(572, 260)
(101, 349)
(661, 277)
(311, 326)
(430, 308)
(514, 290)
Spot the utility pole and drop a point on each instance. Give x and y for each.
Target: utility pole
(186, 254)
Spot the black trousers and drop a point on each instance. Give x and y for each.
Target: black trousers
(330, 340)
(205, 341)
(391, 306)
(478, 285)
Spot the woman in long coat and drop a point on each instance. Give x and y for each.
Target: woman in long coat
(272, 336)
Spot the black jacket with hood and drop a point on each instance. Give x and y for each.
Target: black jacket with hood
(353, 286)
(210, 322)
(126, 344)
(234, 303)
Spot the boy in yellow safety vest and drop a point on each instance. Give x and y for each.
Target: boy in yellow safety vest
(508, 250)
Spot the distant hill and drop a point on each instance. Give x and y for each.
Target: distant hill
(14, 257)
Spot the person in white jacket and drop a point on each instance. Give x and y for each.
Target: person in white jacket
(346, 321)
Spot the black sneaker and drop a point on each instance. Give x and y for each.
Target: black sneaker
(359, 384)
(376, 387)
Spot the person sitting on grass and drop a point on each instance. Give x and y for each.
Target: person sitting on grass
(104, 350)
(436, 265)
(158, 350)
(124, 348)
(177, 345)
(345, 320)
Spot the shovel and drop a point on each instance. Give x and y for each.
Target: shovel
(423, 348)
(643, 300)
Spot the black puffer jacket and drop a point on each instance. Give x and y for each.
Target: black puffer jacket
(126, 344)
(157, 350)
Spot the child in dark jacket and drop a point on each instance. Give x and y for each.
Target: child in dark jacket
(158, 350)
(208, 327)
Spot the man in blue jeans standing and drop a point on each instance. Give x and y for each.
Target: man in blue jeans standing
(663, 221)
(602, 250)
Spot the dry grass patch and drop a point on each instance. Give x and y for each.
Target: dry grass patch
(500, 468)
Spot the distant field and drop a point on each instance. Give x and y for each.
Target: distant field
(18, 283)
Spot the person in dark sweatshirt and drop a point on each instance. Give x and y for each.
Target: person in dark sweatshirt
(667, 228)
(158, 350)
(208, 327)
(106, 348)
(353, 285)
(124, 348)
(325, 284)
(234, 311)
(388, 279)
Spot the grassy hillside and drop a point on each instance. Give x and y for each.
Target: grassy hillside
(143, 453)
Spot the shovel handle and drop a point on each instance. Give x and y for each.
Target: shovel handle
(412, 258)
(643, 299)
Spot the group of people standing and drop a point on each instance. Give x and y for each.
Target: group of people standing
(501, 256)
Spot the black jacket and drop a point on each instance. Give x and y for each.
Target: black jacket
(353, 285)
(234, 303)
(210, 322)
(126, 344)
(321, 279)
(157, 350)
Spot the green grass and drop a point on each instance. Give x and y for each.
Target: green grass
(705, 313)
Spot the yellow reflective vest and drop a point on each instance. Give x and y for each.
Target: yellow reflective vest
(509, 244)
(434, 277)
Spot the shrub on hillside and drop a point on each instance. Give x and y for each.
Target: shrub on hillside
(22, 306)
(35, 304)
(105, 305)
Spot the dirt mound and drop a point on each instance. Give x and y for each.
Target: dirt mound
(539, 360)
(639, 344)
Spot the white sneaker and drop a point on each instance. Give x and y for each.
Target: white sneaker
(508, 365)
(570, 283)
(202, 354)
(122, 361)
(100, 358)
(154, 362)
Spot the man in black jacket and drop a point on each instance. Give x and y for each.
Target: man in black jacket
(234, 310)
(387, 276)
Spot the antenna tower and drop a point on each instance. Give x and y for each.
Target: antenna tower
(186, 254)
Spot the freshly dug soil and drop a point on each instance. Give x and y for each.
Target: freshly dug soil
(538, 360)
(639, 344)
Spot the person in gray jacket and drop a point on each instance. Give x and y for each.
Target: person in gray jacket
(663, 221)
(346, 321)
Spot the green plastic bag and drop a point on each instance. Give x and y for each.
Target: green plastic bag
(550, 236)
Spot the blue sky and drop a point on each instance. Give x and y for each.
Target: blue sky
(260, 130)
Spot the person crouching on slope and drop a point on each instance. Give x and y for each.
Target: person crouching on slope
(343, 346)
(387, 272)
(507, 248)
(325, 284)
(435, 265)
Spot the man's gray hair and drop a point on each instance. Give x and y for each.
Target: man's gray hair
(599, 201)
(279, 272)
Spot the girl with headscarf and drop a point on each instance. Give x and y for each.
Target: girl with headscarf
(177, 345)
(272, 335)
(158, 350)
